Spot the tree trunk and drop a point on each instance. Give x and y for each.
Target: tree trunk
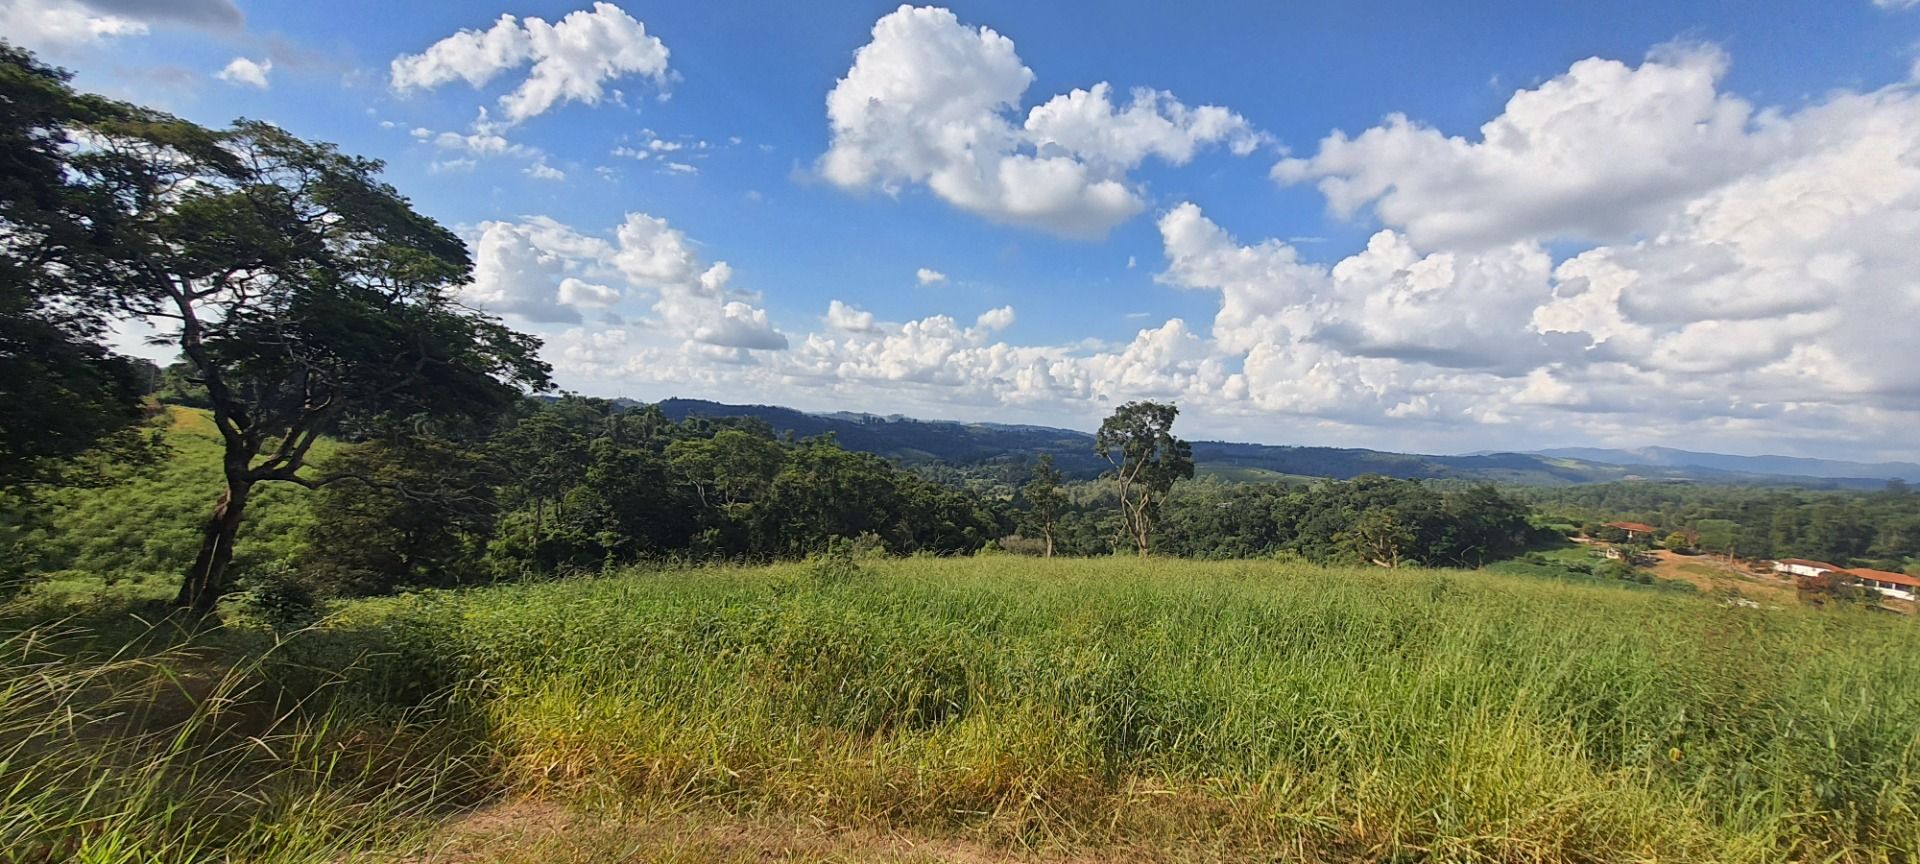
(1143, 526)
(207, 580)
(1048, 531)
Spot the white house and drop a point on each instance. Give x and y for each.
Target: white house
(1897, 585)
(1803, 567)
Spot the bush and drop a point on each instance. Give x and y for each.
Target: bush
(279, 596)
(1018, 545)
(836, 564)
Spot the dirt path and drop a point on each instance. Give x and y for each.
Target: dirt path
(538, 832)
(1715, 576)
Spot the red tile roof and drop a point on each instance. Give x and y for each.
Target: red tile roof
(1636, 527)
(1884, 576)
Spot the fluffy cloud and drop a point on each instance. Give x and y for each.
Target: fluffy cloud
(995, 319)
(1761, 302)
(546, 272)
(841, 316)
(522, 268)
(572, 60)
(61, 25)
(1758, 299)
(540, 170)
(929, 276)
(252, 73)
(1597, 153)
(56, 25)
(933, 101)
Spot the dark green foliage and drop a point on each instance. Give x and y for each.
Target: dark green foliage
(1373, 519)
(280, 597)
(1754, 522)
(62, 391)
(400, 513)
(178, 385)
(596, 483)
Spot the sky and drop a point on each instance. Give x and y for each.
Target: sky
(1399, 225)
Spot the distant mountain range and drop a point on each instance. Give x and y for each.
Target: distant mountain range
(1790, 466)
(1013, 447)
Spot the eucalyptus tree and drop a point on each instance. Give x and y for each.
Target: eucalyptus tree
(1045, 498)
(1138, 441)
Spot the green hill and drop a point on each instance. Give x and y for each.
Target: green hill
(146, 526)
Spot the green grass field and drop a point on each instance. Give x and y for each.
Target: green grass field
(146, 527)
(1114, 709)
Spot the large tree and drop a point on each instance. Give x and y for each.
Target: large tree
(302, 291)
(62, 391)
(1137, 440)
(1045, 498)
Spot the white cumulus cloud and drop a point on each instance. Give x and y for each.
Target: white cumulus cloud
(544, 271)
(841, 316)
(933, 101)
(252, 73)
(571, 60)
(1512, 294)
(1597, 153)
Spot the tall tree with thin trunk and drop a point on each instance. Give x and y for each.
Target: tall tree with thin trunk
(302, 291)
(1045, 498)
(1138, 442)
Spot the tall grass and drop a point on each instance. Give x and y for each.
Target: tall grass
(1240, 709)
(183, 754)
(1357, 713)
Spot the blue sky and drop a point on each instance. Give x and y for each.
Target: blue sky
(1690, 224)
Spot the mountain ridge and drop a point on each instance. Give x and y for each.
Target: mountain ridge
(1792, 466)
(1009, 448)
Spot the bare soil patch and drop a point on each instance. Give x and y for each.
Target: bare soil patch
(541, 832)
(1716, 576)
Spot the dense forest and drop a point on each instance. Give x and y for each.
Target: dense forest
(572, 484)
(1880, 529)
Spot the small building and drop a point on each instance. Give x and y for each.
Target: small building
(1635, 530)
(1896, 585)
(1804, 567)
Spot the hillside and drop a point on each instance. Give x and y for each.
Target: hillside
(1789, 466)
(915, 442)
(148, 525)
(1003, 446)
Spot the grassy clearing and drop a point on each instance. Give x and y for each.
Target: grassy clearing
(146, 528)
(1218, 710)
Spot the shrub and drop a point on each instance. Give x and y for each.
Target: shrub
(279, 596)
(836, 564)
